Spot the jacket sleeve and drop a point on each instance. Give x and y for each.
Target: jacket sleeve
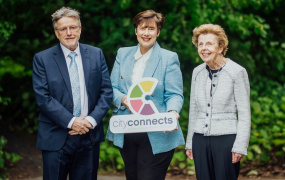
(115, 78)
(49, 106)
(106, 93)
(192, 114)
(173, 95)
(242, 98)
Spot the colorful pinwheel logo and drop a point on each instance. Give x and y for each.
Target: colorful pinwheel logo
(137, 94)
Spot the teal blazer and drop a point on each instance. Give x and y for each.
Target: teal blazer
(168, 95)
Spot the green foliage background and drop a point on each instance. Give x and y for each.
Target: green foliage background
(255, 29)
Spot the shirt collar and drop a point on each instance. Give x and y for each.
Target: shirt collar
(138, 54)
(66, 51)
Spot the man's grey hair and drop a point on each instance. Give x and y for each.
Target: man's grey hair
(65, 12)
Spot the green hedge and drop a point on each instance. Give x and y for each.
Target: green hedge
(6, 159)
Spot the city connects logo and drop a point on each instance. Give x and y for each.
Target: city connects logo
(145, 117)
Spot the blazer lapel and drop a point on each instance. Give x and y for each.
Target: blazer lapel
(61, 63)
(85, 63)
(152, 62)
(128, 67)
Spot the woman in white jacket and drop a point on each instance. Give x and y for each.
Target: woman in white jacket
(219, 117)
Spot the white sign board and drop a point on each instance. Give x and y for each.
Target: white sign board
(134, 123)
(145, 117)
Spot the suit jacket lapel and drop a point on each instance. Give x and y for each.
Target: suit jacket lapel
(152, 62)
(85, 63)
(61, 63)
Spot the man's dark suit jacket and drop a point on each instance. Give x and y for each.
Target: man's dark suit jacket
(53, 94)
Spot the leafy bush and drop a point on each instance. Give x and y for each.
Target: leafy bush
(110, 157)
(6, 65)
(267, 142)
(6, 159)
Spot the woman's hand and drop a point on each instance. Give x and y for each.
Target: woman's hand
(189, 153)
(177, 117)
(124, 102)
(176, 114)
(236, 157)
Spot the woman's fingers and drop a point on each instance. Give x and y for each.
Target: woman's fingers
(189, 154)
(236, 157)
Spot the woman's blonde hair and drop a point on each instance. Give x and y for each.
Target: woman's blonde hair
(213, 29)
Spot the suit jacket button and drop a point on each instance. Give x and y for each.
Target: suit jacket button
(70, 105)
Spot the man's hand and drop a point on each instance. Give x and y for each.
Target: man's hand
(236, 157)
(189, 153)
(124, 102)
(73, 132)
(80, 126)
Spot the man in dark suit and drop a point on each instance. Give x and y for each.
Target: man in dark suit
(73, 91)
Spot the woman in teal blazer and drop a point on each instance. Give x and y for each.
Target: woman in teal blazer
(147, 155)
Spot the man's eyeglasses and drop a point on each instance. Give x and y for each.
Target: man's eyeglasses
(71, 29)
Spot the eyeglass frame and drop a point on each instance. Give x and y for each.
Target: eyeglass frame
(71, 29)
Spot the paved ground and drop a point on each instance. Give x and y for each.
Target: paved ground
(100, 177)
(105, 177)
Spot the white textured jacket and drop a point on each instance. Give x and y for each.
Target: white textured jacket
(227, 111)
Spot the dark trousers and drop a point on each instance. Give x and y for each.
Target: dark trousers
(78, 158)
(140, 162)
(213, 157)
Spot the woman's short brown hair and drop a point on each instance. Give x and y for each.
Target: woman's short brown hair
(146, 16)
(213, 29)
